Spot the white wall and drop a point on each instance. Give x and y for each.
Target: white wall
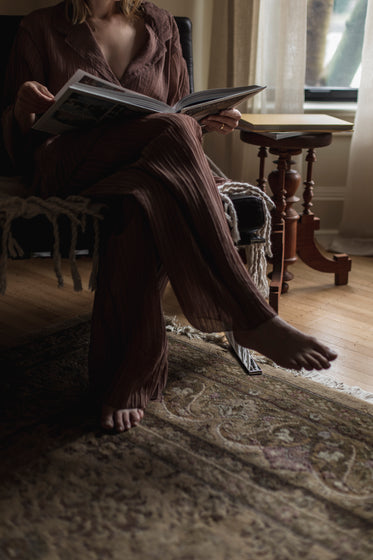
(199, 11)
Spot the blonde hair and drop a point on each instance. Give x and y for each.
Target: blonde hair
(77, 11)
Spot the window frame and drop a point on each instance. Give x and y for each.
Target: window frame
(330, 94)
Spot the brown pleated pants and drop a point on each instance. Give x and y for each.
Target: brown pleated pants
(168, 223)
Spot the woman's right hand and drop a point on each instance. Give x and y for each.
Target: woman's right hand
(32, 99)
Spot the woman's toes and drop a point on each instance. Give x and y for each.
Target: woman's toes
(107, 421)
(120, 420)
(107, 424)
(331, 355)
(294, 365)
(326, 352)
(313, 362)
(323, 361)
(135, 418)
(310, 360)
(301, 362)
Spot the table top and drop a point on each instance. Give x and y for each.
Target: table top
(293, 122)
(303, 141)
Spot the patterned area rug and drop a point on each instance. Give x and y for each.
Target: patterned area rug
(228, 467)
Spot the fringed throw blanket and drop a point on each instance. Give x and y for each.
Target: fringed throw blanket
(256, 254)
(77, 209)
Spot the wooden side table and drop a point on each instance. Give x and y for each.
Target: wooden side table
(292, 234)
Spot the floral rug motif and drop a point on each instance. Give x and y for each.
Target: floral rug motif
(227, 467)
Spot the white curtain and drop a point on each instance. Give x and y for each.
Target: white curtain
(356, 231)
(232, 63)
(261, 42)
(281, 56)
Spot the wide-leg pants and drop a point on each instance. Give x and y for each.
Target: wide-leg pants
(169, 224)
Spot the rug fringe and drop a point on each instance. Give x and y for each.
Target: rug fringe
(320, 378)
(172, 325)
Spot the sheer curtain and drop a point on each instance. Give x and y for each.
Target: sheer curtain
(262, 42)
(356, 231)
(234, 35)
(281, 56)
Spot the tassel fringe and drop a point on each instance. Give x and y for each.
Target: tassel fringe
(78, 209)
(75, 208)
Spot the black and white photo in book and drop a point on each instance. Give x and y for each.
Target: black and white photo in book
(86, 100)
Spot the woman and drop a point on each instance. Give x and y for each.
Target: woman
(167, 220)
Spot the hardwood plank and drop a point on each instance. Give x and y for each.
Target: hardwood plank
(33, 300)
(341, 316)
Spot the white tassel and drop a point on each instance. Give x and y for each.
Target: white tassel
(75, 208)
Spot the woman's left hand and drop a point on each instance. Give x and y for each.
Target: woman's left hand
(224, 122)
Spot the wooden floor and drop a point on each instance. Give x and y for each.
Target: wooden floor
(341, 316)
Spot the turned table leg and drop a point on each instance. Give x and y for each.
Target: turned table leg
(284, 183)
(308, 223)
(261, 181)
(292, 181)
(278, 231)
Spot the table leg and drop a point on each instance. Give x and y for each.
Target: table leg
(308, 223)
(292, 181)
(278, 232)
(261, 181)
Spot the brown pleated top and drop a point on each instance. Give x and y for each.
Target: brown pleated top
(49, 49)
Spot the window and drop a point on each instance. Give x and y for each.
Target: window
(335, 33)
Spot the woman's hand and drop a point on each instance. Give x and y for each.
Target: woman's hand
(32, 99)
(224, 122)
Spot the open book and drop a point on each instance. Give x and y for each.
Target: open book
(86, 100)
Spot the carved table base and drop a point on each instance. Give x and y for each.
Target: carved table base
(292, 234)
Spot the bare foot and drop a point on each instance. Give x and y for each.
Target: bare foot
(120, 420)
(287, 346)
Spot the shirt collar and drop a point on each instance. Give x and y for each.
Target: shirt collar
(81, 39)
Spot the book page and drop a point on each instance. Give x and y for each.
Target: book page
(84, 105)
(77, 109)
(203, 110)
(80, 76)
(211, 95)
(217, 100)
(86, 100)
